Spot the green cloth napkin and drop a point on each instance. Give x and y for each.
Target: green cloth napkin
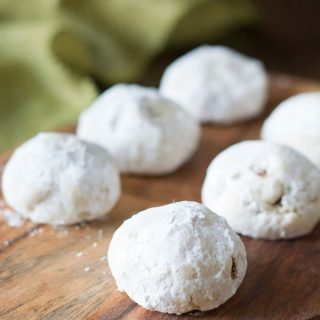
(37, 92)
(52, 51)
(114, 40)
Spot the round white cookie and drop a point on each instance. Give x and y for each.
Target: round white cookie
(296, 123)
(264, 190)
(145, 132)
(217, 84)
(56, 178)
(177, 258)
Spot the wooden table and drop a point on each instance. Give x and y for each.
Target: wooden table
(62, 273)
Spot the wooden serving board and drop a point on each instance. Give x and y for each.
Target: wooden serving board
(61, 273)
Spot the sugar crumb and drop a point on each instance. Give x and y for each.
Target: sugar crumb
(100, 234)
(79, 254)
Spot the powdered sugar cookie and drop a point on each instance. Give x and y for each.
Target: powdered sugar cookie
(216, 84)
(55, 178)
(145, 132)
(264, 190)
(296, 123)
(177, 258)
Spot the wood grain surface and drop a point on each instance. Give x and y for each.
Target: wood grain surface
(61, 273)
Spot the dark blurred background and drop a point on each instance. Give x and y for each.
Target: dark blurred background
(57, 55)
(286, 38)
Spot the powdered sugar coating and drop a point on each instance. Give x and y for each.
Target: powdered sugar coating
(216, 84)
(55, 178)
(145, 132)
(264, 190)
(296, 123)
(177, 258)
